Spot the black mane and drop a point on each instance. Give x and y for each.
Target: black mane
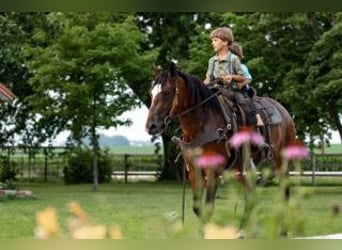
(199, 91)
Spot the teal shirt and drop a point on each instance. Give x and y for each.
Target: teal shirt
(245, 72)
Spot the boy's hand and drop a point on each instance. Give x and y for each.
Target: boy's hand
(227, 78)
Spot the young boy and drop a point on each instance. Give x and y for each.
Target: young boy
(226, 67)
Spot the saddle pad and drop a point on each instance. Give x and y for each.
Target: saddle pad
(272, 113)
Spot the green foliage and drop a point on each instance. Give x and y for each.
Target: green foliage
(79, 77)
(8, 171)
(79, 168)
(16, 33)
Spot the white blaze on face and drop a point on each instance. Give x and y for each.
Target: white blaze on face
(156, 90)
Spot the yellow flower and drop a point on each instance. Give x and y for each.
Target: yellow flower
(115, 232)
(77, 210)
(90, 232)
(47, 223)
(213, 231)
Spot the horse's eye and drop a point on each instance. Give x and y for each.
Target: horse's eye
(166, 94)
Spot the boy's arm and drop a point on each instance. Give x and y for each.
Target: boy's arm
(209, 71)
(206, 80)
(240, 85)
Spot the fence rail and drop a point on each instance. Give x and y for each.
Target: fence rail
(134, 166)
(333, 165)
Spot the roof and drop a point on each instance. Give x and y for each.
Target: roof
(5, 93)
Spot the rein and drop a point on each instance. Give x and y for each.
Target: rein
(167, 119)
(198, 104)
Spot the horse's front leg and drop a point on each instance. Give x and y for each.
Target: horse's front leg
(211, 184)
(248, 195)
(197, 184)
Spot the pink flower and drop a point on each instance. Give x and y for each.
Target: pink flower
(296, 150)
(210, 160)
(246, 135)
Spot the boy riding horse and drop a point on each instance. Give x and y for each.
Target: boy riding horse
(226, 68)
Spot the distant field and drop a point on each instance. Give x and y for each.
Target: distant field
(150, 149)
(332, 149)
(134, 150)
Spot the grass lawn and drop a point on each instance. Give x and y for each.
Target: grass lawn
(148, 210)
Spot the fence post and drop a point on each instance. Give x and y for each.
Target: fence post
(313, 177)
(126, 167)
(45, 164)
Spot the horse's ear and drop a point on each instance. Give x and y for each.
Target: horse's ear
(173, 68)
(155, 70)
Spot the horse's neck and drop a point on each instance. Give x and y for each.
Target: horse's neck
(199, 122)
(191, 125)
(197, 119)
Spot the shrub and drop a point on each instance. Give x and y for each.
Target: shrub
(79, 167)
(8, 170)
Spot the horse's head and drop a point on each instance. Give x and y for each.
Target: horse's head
(162, 94)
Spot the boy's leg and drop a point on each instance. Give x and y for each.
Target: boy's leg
(248, 107)
(259, 121)
(251, 114)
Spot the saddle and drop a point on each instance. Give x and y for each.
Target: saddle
(267, 110)
(235, 115)
(264, 106)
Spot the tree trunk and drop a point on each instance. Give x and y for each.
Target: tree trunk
(338, 124)
(322, 143)
(95, 161)
(95, 146)
(172, 170)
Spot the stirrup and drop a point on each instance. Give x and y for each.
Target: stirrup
(263, 146)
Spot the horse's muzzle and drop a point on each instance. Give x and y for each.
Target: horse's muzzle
(154, 128)
(157, 126)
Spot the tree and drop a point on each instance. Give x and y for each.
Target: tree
(16, 31)
(324, 78)
(80, 79)
(168, 34)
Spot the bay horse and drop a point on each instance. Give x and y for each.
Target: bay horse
(176, 94)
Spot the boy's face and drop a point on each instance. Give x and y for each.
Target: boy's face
(218, 44)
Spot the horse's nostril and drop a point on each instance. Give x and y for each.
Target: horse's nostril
(153, 126)
(150, 127)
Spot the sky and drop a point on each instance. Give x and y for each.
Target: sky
(135, 132)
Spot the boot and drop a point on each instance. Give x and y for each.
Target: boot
(263, 147)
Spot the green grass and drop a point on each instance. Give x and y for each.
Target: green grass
(143, 210)
(139, 208)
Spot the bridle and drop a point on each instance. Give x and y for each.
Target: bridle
(168, 118)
